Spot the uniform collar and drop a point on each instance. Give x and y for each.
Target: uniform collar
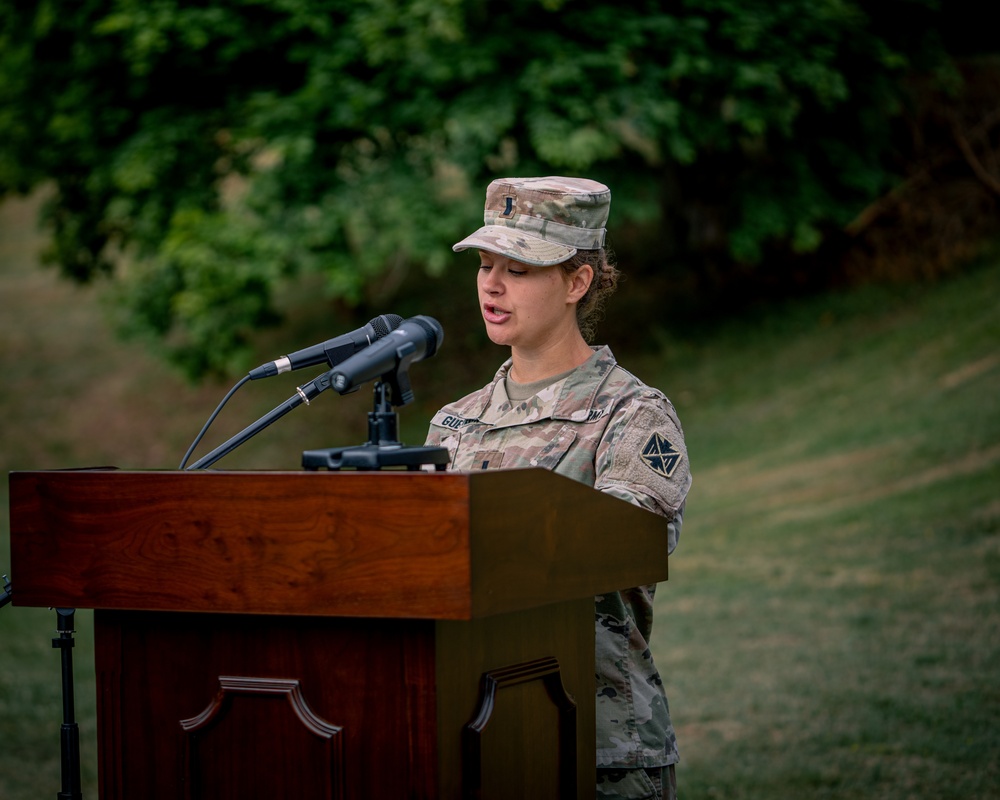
(571, 398)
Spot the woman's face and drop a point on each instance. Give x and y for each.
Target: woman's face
(527, 307)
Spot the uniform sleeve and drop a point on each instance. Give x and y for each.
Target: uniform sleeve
(642, 458)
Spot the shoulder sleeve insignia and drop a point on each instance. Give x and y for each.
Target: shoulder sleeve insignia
(660, 455)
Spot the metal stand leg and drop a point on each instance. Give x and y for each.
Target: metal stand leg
(69, 732)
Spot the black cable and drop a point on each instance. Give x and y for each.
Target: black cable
(211, 419)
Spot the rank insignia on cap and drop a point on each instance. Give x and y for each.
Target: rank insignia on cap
(661, 456)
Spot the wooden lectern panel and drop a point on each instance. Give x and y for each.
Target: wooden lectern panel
(256, 543)
(529, 695)
(368, 685)
(266, 723)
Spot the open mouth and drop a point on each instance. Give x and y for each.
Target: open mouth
(495, 314)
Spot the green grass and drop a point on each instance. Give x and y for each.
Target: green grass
(831, 628)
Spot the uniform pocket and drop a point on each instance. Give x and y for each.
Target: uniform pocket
(625, 784)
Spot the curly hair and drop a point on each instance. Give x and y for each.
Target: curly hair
(590, 309)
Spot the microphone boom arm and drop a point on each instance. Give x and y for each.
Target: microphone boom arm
(303, 394)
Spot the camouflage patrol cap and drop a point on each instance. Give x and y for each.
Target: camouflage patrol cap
(542, 221)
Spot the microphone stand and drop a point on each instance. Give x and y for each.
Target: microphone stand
(383, 448)
(69, 733)
(304, 394)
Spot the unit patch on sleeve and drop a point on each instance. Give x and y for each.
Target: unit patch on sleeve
(660, 455)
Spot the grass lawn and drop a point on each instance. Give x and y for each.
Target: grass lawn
(831, 628)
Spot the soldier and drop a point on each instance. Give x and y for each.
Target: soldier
(560, 404)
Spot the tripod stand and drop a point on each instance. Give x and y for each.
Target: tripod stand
(69, 734)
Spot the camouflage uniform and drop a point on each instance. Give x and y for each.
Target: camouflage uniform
(603, 427)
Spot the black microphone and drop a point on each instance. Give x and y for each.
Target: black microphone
(332, 351)
(415, 339)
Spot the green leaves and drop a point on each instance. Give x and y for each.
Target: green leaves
(230, 145)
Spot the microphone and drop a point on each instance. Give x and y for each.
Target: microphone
(332, 351)
(414, 340)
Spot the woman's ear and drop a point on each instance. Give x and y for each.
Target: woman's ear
(579, 282)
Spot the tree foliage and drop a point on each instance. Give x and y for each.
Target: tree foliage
(226, 146)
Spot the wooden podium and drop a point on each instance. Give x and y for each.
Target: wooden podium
(359, 635)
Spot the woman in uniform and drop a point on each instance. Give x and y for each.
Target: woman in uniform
(561, 404)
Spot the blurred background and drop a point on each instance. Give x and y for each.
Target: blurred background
(806, 208)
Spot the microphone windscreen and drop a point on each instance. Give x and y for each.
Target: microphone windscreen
(385, 323)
